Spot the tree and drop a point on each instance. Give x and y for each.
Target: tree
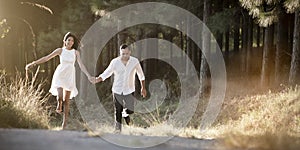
(236, 30)
(267, 12)
(281, 45)
(266, 72)
(206, 48)
(18, 22)
(294, 77)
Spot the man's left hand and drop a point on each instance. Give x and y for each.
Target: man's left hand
(143, 92)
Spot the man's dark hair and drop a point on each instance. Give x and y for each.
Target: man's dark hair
(123, 46)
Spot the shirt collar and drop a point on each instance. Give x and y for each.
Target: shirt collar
(128, 59)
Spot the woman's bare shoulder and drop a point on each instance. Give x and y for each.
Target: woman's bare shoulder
(58, 50)
(77, 52)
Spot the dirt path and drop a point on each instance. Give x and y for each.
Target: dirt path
(23, 139)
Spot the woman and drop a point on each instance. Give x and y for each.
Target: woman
(63, 82)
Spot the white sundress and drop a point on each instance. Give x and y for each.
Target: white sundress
(64, 75)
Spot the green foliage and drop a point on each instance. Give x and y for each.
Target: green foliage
(48, 41)
(220, 21)
(292, 5)
(97, 5)
(77, 17)
(266, 11)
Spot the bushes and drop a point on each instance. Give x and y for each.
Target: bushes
(22, 104)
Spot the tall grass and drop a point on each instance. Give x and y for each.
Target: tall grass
(22, 103)
(268, 113)
(268, 121)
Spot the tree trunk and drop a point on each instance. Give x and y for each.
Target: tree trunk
(188, 45)
(245, 30)
(264, 33)
(294, 77)
(281, 47)
(249, 44)
(116, 46)
(236, 31)
(245, 25)
(219, 35)
(22, 47)
(206, 50)
(121, 38)
(227, 42)
(33, 38)
(227, 33)
(181, 43)
(2, 60)
(267, 56)
(258, 36)
(171, 50)
(291, 33)
(109, 49)
(139, 47)
(219, 38)
(152, 52)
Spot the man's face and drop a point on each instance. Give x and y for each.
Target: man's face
(125, 53)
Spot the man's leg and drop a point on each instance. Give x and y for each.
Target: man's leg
(129, 105)
(118, 111)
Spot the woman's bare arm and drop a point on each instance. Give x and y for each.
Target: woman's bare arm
(81, 66)
(45, 58)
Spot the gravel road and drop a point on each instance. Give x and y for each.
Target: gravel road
(24, 139)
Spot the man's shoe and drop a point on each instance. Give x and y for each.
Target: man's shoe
(127, 120)
(124, 113)
(118, 127)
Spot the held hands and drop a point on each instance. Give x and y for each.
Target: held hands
(98, 79)
(95, 80)
(92, 79)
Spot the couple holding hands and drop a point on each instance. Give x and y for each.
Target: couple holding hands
(124, 68)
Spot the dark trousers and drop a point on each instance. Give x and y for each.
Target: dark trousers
(122, 101)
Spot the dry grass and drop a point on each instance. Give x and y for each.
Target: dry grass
(22, 104)
(268, 113)
(268, 121)
(263, 122)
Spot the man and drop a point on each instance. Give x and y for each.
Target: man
(124, 68)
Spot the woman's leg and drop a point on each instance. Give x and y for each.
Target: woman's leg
(66, 108)
(59, 100)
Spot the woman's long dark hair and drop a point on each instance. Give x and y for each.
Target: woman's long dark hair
(76, 41)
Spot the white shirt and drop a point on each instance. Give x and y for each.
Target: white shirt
(124, 75)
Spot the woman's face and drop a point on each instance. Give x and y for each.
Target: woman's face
(69, 42)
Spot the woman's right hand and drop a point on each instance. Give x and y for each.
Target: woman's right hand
(92, 79)
(29, 65)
